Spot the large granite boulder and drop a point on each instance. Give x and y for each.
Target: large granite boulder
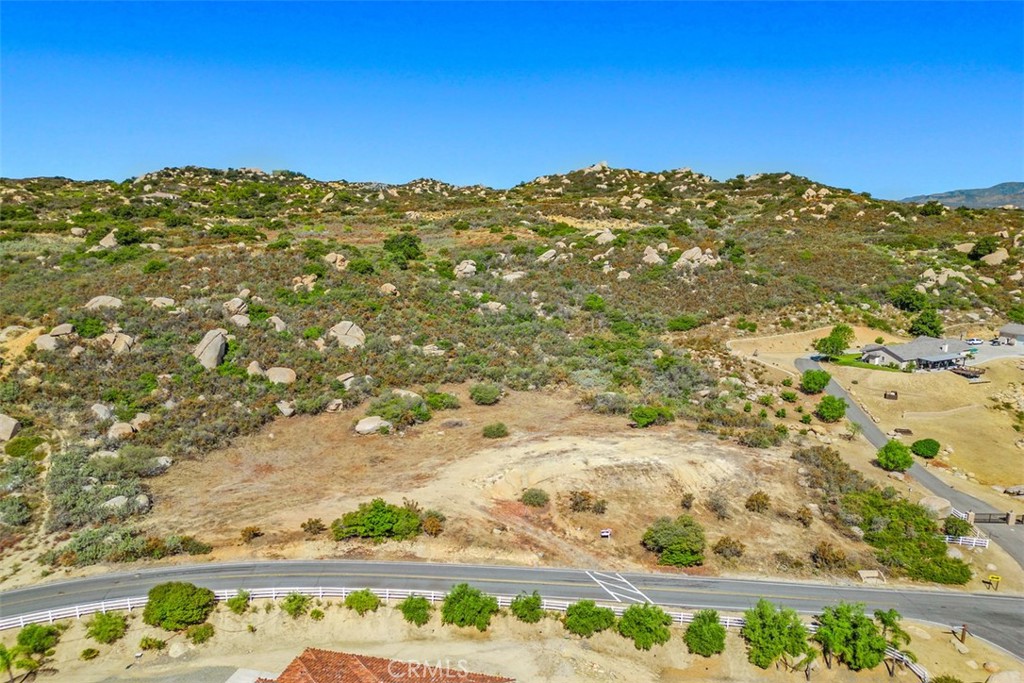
(372, 425)
(347, 334)
(9, 427)
(210, 351)
(281, 375)
(103, 301)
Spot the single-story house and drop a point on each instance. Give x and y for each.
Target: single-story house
(924, 353)
(324, 666)
(1011, 333)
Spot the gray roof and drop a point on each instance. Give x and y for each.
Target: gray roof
(1011, 329)
(923, 347)
(940, 357)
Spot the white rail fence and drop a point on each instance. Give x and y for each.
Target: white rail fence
(969, 541)
(386, 594)
(956, 513)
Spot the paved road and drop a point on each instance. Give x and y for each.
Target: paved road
(1010, 539)
(989, 615)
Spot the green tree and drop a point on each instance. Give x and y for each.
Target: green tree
(954, 526)
(35, 644)
(377, 520)
(927, 324)
(830, 409)
(705, 636)
(895, 457)
(527, 607)
(906, 298)
(889, 620)
(772, 634)
(814, 381)
(851, 637)
(468, 606)
(175, 605)
(647, 625)
(107, 627)
(585, 618)
(678, 542)
(837, 341)
(404, 247)
(8, 656)
(416, 609)
(295, 604)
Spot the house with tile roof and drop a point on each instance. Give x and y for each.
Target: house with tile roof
(324, 666)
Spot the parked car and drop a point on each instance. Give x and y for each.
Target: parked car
(974, 341)
(996, 342)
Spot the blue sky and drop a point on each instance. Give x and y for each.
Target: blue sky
(891, 98)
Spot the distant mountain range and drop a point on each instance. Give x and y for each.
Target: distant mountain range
(993, 197)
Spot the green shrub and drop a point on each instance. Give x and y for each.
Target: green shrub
(495, 430)
(362, 601)
(151, 643)
(645, 416)
(361, 266)
(401, 411)
(89, 327)
(788, 396)
(239, 603)
(154, 266)
(378, 520)
(728, 547)
(594, 303)
(416, 609)
(14, 511)
(954, 526)
(441, 401)
(175, 605)
(814, 381)
(647, 626)
(705, 636)
(926, 448)
(527, 607)
(536, 498)
(295, 604)
(485, 394)
(678, 542)
(585, 618)
(683, 323)
(107, 627)
(89, 654)
(468, 606)
(831, 409)
(317, 614)
(758, 501)
(772, 633)
(199, 633)
(24, 447)
(895, 457)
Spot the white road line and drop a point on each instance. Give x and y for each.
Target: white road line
(618, 587)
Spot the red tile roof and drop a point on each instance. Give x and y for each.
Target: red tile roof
(324, 666)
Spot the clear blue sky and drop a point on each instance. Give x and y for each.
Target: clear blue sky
(890, 98)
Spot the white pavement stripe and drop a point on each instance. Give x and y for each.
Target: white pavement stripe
(618, 587)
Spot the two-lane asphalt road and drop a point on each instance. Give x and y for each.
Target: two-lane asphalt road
(995, 617)
(1009, 538)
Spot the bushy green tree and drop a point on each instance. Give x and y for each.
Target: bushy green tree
(906, 298)
(927, 324)
(647, 626)
(468, 606)
(378, 520)
(772, 633)
(527, 607)
(837, 341)
(895, 457)
(416, 609)
(645, 416)
(585, 618)
(35, 643)
(954, 526)
(176, 605)
(404, 247)
(679, 542)
(485, 394)
(814, 381)
(830, 409)
(983, 247)
(107, 627)
(295, 604)
(705, 636)
(846, 634)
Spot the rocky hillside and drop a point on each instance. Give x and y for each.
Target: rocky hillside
(1003, 195)
(160, 317)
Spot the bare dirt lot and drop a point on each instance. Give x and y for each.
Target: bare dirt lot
(317, 467)
(529, 653)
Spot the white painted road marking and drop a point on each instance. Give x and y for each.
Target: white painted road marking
(618, 587)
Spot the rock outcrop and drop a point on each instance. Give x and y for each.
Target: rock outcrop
(103, 301)
(372, 425)
(210, 351)
(347, 334)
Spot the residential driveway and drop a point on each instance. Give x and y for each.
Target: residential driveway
(1009, 538)
(987, 352)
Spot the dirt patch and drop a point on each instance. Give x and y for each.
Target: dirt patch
(13, 348)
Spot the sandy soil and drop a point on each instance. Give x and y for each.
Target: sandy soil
(12, 348)
(529, 653)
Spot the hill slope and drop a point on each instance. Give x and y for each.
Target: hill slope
(1003, 194)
